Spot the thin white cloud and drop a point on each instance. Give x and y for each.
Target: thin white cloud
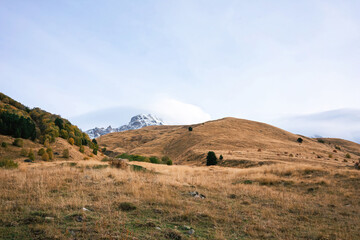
(173, 111)
(340, 123)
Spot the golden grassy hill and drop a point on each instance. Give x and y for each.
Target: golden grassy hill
(58, 147)
(241, 142)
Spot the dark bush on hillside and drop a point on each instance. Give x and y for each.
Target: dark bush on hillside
(190, 129)
(41, 151)
(221, 157)
(348, 155)
(82, 149)
(95, 151)
(154, 160)
(18, 142)
(45, 156)
(60, 123)
(137, 168)
(321, 140)
(166, 160)
(4, 144)
(299, 140)
(71, 141)
(24, 152)
(8, 163)
(211, 159)
(126, 206)
(50, 153)
(94, 141)
(31, 155)
(66, 153)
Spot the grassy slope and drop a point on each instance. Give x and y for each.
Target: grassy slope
(237, 140)
(58, 147)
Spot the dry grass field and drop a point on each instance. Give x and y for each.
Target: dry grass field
(269, 186)
(46, 200)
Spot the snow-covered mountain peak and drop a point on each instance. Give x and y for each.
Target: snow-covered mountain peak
(136, 122)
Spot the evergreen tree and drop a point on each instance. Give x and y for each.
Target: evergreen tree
(211, 159)
(59, 122)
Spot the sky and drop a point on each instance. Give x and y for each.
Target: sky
(98, 62)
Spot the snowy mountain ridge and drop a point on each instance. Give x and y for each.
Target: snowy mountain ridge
(136, 122)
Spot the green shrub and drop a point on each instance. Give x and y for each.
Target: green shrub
(41, 151)
(66, 153)
(154, 160)
(45, 156)
(8, 163)
(338, 148)
(103, 149)
(190, 129)
(299, 140)
(137, 158)
(348, 155)
(31, 155)
(4, 144)
(95, 151)
(82, 149)
(24, 152)
(221, 157)
(71, 141)
(105, 159)
(211, 159)
(321, 140)
(126, 206)
(166, 160)
(137, 168)
(18, 142)
(50, 153)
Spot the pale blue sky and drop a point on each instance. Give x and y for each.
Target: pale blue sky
(187, 61)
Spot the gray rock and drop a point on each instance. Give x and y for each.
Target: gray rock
(197, 195)
(186, 227)
(191, 232)
(49, 218)
(158, 228)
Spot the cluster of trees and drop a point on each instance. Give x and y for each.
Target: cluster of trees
(211, 158)
(51, 126)
(16, 125)
(19, 121)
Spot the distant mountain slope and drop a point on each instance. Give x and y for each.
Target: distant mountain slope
(235, 139)
(339, 123)
(136, 122)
